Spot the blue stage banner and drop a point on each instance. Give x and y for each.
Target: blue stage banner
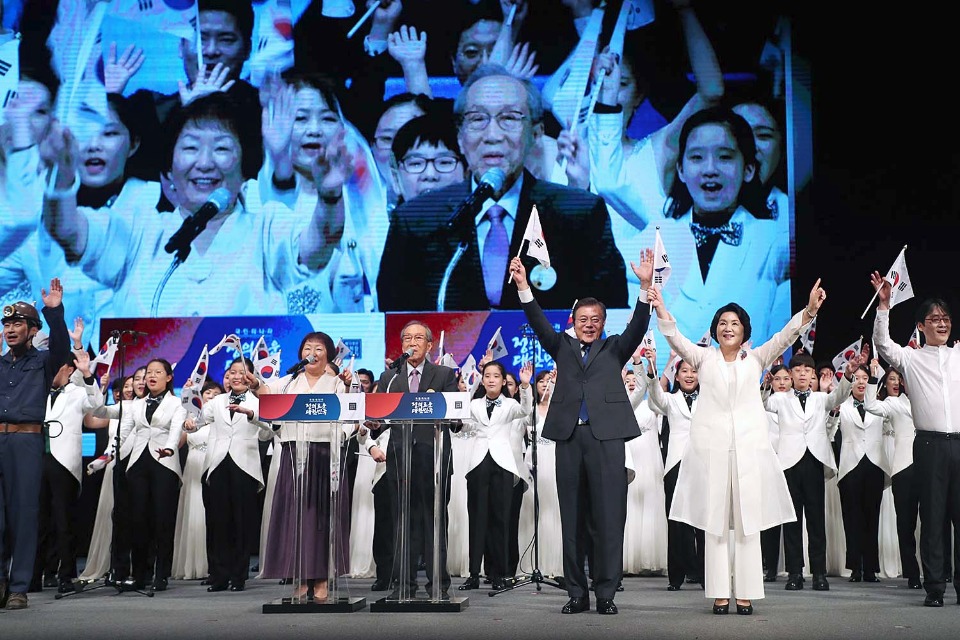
(312, 407)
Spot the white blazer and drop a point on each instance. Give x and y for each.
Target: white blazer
(731, 416)
(501, 435)
(163, 432)
(860, 438)
(806, 429)
(237, 436)
(65, 420)
(674, 407)
(896, 411)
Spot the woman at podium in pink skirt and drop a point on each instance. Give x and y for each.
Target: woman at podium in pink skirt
(280, 550)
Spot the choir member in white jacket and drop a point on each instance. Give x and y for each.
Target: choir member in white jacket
(806, 456)
(75, 393)
(495, 466)
(151, 432)
(232, 477)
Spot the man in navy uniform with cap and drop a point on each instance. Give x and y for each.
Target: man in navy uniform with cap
(26, 375)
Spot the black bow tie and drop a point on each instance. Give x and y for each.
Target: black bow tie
(858, 403)
(730, 233)
(802, 394)
(493, 403)
(237, 398)
(691, 396)
(154, 401)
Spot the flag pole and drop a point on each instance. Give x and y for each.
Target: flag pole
(363, 18)
(877, 292)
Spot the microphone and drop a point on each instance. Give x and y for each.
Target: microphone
(396, 364)
(193, 225)
(490, 183)
(297, 368)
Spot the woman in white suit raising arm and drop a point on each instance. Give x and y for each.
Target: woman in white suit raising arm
(734, 480)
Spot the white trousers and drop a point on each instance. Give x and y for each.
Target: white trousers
(733, 563)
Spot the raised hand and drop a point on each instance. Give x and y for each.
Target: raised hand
(77, 334)
(487, 357)
(521, 62)
(333, 167)
(207, 83)
(60, 148)
(117, 72)
(817, 296)
(655, 298)
(826, 381)
(526, 373)
(608, 70)
(19, 114)
(882, 286)
(644, 271)
(518, 273)
(83, 362)
(407, 46)
(572, 147)
(55, 297)
(277, 125)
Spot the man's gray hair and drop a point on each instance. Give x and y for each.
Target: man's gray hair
(489, 70)
(419, 324)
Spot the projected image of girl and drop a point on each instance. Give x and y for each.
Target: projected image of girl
(715, 241)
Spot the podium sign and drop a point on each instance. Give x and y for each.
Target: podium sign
(418, 406)
(312, 407)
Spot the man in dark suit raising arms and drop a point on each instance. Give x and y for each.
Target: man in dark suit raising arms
(418, 374)
(499, 123)
(590, 419)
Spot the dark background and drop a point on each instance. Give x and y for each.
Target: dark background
(886, 160)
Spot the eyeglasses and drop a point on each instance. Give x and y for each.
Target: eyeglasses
(944, 320)
(507, 120)
(385, 143)
(417, 164)
(410, 338)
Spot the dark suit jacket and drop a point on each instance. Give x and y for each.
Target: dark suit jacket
(435, 377)
(599, 380)
(575, 225)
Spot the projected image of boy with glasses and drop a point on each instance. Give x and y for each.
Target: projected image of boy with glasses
(427, 156)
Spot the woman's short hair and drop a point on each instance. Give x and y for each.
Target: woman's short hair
(731, 307)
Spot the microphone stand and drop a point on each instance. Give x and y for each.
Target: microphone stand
(80, 587)
(536, 576)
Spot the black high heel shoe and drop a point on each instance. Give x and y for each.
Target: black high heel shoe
(721, 609)
(745, 609)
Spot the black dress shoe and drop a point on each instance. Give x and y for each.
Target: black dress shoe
(237, 586)
(820, 583)
(131, 584)
(218, 586)
(914, 583)
(870, 576)
(205, 582)
(721, 609)
(498, 584)
(380, 585)
(473, 582)
(606, 607)
(160, 584)
(933, 600)
(619, 587)
(50, 582)
(745, 609)
(856, 576)
(673, 587)
(794, 582)
(694, 580)
(576, 605)
(770, 576)
(65, 586)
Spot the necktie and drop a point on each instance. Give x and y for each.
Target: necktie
(413, 383)
(730, 233)
(584, 416)
(859, 405)
(152, 404)
(802, 397)
(690, 397)
(496, 246)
